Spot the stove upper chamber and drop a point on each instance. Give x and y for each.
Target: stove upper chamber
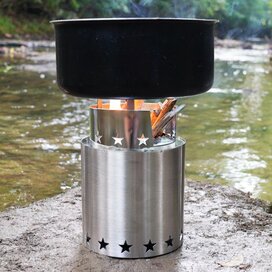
(135, 57)
(138, 128)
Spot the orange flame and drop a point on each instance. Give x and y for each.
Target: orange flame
(115, 104)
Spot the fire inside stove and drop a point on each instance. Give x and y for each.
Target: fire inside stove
(134, 124)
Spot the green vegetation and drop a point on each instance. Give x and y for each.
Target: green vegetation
(6, 25)
(11, 27)
(238, 18)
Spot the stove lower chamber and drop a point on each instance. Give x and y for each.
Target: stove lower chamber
(132, 199)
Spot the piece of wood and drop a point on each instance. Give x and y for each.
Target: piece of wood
(153, 115)
(167, 106)
(99, 103)
(138, 103)
(124, 105)
(162, 123)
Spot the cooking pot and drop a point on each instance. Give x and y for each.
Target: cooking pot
(134, 57)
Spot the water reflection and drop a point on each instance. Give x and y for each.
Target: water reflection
(39, 136)
(236, 167)
(228, 129)
(229, 134)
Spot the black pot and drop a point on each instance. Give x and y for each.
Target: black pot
(134, 58)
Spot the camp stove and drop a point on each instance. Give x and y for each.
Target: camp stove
(132, 160)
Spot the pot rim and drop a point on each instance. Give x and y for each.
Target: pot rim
(129, 19)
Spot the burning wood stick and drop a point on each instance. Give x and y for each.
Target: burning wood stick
(155, 113)
(153, 116)
(167, 106)
(138, 103)
(99, 103)
(159, 126)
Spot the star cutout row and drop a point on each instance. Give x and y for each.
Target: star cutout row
(142, 140)
(126, 246)
(118, 140)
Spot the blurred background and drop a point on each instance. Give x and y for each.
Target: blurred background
(228, 129)
(239, 18)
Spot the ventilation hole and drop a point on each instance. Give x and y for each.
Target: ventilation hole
(125, 247)
(103, 244)
(149, 246)
(169, 242)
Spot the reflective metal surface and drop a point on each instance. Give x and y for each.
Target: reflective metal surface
(127, 128)
(132, 199)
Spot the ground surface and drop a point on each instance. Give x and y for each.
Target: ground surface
(225, 230)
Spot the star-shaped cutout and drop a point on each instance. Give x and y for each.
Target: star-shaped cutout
(88, 239)
(149, 246)
(103, 244)
(125, 247)
(169, 242)
(142, 140)
(98, 137)
(117, 140)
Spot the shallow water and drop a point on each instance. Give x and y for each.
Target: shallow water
(228, 130)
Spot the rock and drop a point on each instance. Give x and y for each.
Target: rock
(235, 261)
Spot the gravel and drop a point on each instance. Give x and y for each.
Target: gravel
(225, 230)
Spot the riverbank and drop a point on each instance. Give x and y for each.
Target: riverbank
(26, 27)
(225, 230)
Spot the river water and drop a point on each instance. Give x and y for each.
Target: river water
(228, 130)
